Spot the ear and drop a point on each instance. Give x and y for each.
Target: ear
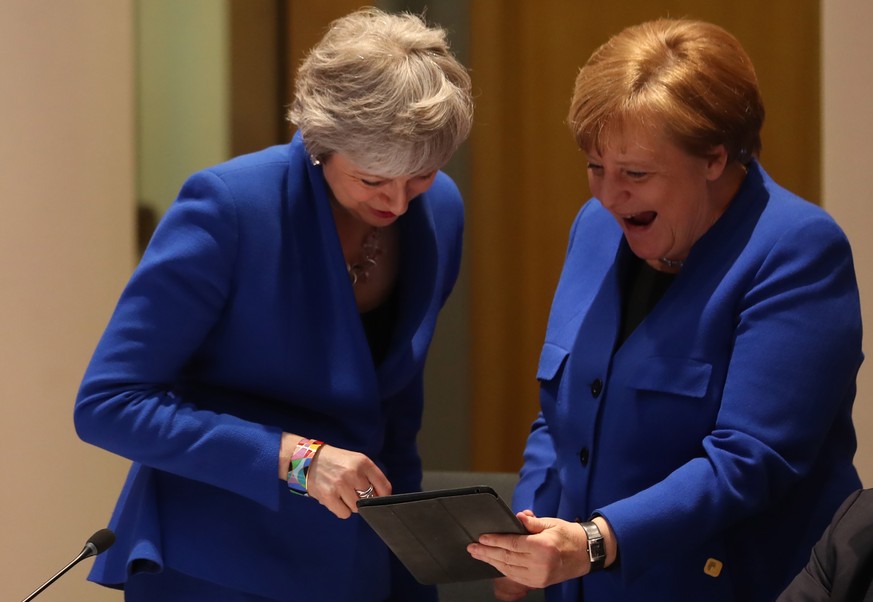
(716, 161)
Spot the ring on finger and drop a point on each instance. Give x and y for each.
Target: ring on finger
(365, 493)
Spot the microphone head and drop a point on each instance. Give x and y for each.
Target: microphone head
(100, 541)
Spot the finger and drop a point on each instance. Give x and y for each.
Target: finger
(362, 474)
(359, 494)
(505, 541)
(502, 559)
(508, 596)
(365, 491)
(376, 485)
(352, 495)
(368, 474)
(336, 472)
(480, 553)
(381, 484)
(532, 523)
(507, 585)
(508, 590)
(337, 506)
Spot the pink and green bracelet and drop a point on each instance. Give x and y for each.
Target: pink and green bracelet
(300, 461)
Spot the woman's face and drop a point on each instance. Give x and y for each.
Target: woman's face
(663, 198)
(371, 198)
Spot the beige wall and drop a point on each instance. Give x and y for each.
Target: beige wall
(66, 248)
(847, 106)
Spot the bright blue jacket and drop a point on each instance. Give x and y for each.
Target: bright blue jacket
(240, 323)
(721, 429)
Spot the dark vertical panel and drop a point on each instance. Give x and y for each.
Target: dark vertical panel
(283, 67)
(306, 22)
(268, 39)
(256, 51)
(527, 184)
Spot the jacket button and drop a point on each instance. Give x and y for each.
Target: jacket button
(583, 456)
(596, 387)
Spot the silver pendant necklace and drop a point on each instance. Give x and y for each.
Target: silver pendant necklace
(371, 249)
(673, 264)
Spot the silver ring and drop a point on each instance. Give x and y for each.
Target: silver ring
(365, 493)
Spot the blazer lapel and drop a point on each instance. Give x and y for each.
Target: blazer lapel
(417, 281)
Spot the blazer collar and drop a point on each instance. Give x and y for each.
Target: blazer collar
(417, 277)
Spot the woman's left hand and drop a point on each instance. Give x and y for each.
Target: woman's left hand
(337, 476)
(554, 551)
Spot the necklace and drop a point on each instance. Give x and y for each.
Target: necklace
(673, 264)
(371, 248)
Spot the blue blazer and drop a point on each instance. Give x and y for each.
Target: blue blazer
(717, 440)
(240, 323)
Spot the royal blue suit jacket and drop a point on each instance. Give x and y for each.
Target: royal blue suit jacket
(717, 439)
(239, 323)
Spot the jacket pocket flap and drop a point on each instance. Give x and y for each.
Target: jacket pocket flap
(680, 376)
(551, 359)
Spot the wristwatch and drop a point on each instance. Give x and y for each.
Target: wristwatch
(596, 548)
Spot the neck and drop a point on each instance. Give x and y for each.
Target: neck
(348, 226)
(726, 187)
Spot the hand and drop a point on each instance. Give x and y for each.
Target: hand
(335, 474)
(554, 551)
(507, 590)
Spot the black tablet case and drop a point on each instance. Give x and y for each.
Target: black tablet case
(429, 531)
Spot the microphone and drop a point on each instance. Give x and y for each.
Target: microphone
(96, 544)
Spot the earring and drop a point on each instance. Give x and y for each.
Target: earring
(315, 160)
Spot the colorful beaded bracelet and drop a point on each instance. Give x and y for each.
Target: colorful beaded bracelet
(300, 461)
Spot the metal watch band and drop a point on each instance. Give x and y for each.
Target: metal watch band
(596, 549)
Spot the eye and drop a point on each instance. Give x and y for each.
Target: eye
(636, 175)
(595, 167)
(426, 176)
(372, 183)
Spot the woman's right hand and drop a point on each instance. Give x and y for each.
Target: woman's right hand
(335, 474)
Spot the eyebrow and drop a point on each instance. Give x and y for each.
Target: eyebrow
(370, 176)
(363, 175)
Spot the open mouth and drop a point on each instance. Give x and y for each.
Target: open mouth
(640, 220)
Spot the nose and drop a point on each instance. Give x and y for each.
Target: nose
(399, 195)
(397, 200)
(611, 191)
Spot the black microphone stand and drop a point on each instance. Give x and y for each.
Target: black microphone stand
(89, 550)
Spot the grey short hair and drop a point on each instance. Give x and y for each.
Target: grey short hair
(385, 91)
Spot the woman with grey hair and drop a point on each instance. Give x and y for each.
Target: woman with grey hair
(263, 367)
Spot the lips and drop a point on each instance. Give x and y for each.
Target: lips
(642, 219)
(384, 214)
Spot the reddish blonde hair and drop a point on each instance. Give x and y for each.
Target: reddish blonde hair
(690, 81)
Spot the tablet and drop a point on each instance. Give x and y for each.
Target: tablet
(429, 531)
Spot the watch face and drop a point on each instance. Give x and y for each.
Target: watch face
(596, 550)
